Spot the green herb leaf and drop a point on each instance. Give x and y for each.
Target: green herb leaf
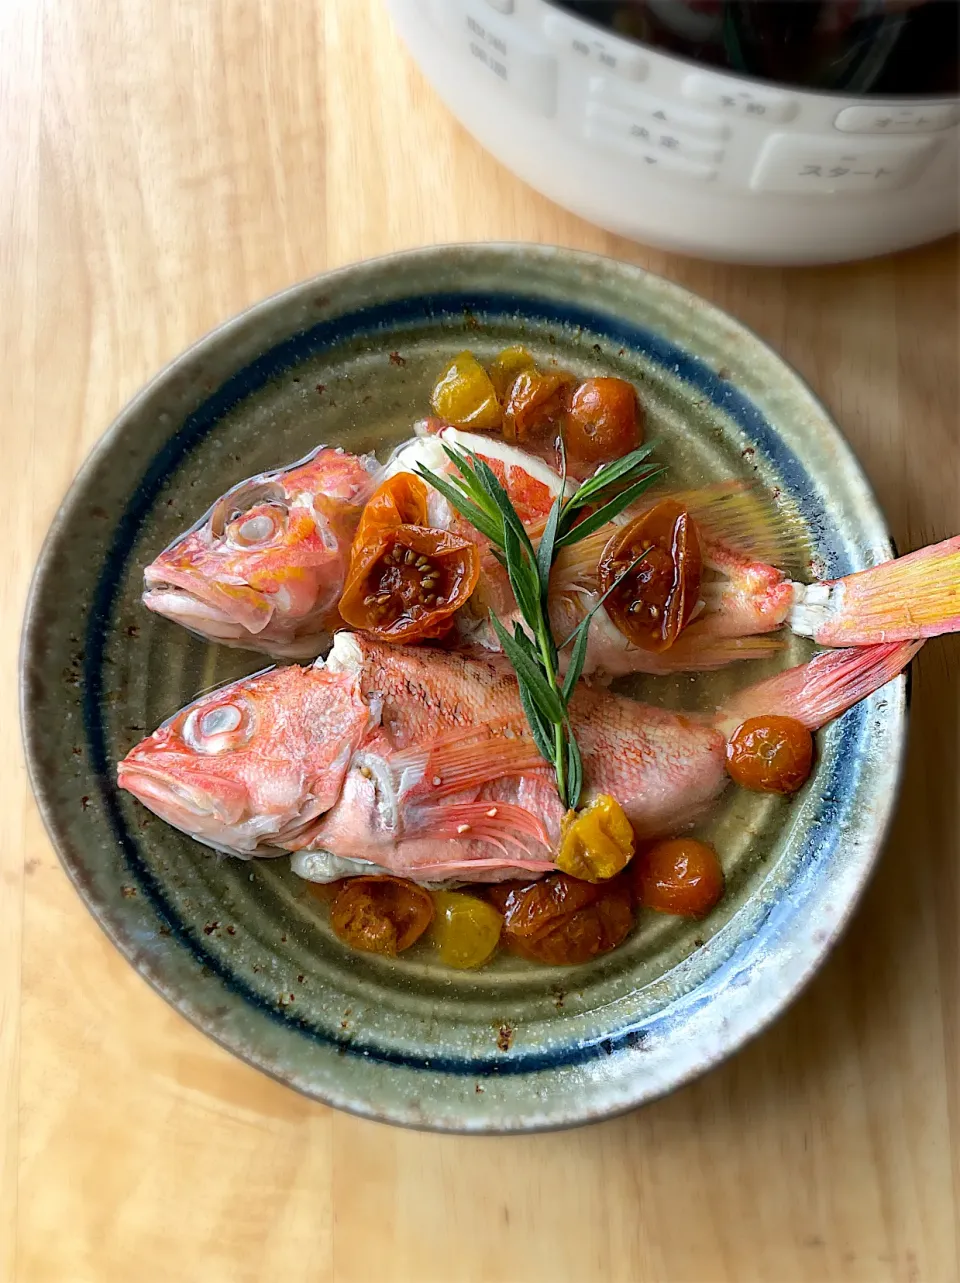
(465, 506)
(539, 727)
(470, 483)
(619, 472)
(488, 479)
(612, 509)
(574, 770)
(523, 658)
(577, 657)
(545, 551)
(523, 576)
(478, 495)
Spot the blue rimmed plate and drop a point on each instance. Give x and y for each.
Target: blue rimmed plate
(243, 950)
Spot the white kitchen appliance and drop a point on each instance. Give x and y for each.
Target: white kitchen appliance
(767, 131)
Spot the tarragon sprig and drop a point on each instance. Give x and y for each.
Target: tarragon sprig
(476, 493)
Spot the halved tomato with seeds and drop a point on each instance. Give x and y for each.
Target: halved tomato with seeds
(407, 584)
(652, 602)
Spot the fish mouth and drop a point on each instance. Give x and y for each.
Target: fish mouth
(237, 610)
(201, 617)
(190, 611)
(218, 815)
(184, 805)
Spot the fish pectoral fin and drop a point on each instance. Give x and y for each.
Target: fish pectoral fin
(466, 760)
(503, 825)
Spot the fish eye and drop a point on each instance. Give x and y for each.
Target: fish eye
(220, 720)
(257, 526)
(218, 729)
(244, 501)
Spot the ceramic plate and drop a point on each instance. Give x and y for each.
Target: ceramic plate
(243, 949)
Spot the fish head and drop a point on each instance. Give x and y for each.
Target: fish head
(265, 567)
(253, 764)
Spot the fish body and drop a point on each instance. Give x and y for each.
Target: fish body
(419, 761)
(416, 759)
(743, 598)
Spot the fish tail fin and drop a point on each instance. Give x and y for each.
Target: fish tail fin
(740, 525)
(816, 692)
(916, 596)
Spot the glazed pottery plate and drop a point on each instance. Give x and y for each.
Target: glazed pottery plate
(245, 950)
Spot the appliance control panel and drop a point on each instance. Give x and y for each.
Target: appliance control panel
(691, 124)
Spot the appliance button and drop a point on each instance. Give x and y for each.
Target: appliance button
(650, 134)
(498, 45)
(737, 99)
(656, 111)
(501, 6)
(587, 44)
(809, 163)
(652, 157)
(913, 119)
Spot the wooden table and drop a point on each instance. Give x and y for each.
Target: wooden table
(163, 164)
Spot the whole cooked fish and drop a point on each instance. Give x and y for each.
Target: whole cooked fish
(419, 761)
(265, 568)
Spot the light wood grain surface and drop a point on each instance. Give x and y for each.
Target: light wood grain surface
(163, 164)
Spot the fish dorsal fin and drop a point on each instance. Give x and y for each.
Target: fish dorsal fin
(747, 519)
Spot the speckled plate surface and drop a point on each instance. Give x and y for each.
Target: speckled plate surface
(243, 950)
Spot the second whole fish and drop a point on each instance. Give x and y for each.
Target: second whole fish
(265, 568)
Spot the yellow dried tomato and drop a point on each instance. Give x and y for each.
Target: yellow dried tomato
(505, 368)
(596, 842)
(465, 396)
(465, 931)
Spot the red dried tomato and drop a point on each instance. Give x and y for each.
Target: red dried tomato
(654, 600)
(561, 920)
(770, 754)
(535, 406)
(400, 501)
(678, 875)
(381, 914)
(602, 423)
